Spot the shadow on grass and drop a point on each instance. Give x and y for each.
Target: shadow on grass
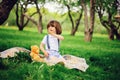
(108, 66)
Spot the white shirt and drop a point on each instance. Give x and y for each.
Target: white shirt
(53, 42)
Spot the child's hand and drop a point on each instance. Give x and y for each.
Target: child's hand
(46, 54)
(58, 36)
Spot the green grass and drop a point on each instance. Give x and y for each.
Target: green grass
(102, 56)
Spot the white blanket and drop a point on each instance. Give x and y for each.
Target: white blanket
(69, 61)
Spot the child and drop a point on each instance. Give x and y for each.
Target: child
(51, 41)
(51, 50)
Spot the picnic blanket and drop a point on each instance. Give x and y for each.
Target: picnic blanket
(11, 52)
(69, 61)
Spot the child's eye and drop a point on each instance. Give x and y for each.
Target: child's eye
(52, 26)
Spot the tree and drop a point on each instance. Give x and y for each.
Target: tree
(89, 27)
(75, 24)
(22, 18)
(39, 22)
(107, 10)
(5, 8)
(70, 4)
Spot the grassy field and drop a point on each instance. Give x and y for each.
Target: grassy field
(102, 56)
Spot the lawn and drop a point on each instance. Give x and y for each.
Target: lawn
(102, 56)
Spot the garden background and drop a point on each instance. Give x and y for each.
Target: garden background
(102, 53)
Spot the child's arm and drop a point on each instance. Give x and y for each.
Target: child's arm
(60, 37)
(43, 50)
(56, 35)
(52, 32)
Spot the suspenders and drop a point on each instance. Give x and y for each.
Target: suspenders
(48, 45)
(48, 42)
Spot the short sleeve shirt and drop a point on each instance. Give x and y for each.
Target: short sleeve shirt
(53, 42)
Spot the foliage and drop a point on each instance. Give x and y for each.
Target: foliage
(101, 54)
(106, 11)
(11, 19)
(47, 16)
(107, 6)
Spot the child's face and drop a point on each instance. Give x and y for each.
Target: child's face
(51, 30)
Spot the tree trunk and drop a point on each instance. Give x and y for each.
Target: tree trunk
(39, 24)
(77, 24)
(113, 32)
(85, 20)
(39, 27)
(71, 19)
(117, 36)
(111, 35)
(21, 22)
(5, 8)
(89, 29)
(92, 18)
(21, 28)
(21, 25)
(20, 17)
